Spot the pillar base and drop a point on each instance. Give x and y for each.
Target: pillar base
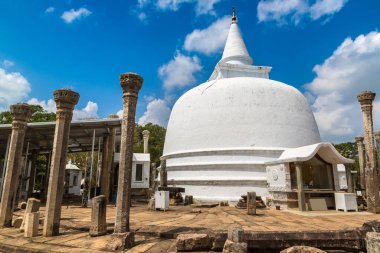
(121, 241)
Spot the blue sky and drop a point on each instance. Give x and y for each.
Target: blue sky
(175, 44)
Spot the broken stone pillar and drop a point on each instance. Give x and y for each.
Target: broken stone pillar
(373, 242)
(86, 183)
(193, 242)
(163, 174)
(359, 143)
(300, 190)
(377, 138)
(235, 242)
(98, 216)
(32, 175)
(372, 186)
(131, 84)
(251, 203)
(145, 134)
(350, 180)
(66, 100)
(20, 115)
(32, 206)
(31, 224)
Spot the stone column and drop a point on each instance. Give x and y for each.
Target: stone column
(163, 174)
(146, 141)
(66, 101)
(86, 183)
(251, 203)
(31, 224)
(372, 187)
(350, 181)
(20, 114)
(301, 193)
(153, 174)
(359, 143)
(98, 216)
(104, 172)
(131, 84)
(32, 175)
(377, 138)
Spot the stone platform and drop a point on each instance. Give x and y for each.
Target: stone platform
(156, 230)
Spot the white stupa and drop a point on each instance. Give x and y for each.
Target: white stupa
(221, 133)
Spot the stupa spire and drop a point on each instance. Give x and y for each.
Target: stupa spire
(235, 51)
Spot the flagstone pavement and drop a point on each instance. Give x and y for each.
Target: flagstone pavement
(156, 230)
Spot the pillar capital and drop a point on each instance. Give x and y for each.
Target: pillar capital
(113, 116)
(145, 134)
(359, 139)
(131, 83)
(366, 98)
(66, 98)
(21, 112)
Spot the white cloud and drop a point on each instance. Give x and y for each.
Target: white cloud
(209, 40)
(326, 7)
(180, 71)
(48, 106)
(8, 63)
(205, 7)
(142, 16)
(171, 4)
(281, 11)
(353, 67)
(142, 3)
(13, 88)
(72, 15)
(88, 112)
(157, 112)
(50, 9)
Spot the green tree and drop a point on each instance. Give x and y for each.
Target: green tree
(39, 114)
(156, 141)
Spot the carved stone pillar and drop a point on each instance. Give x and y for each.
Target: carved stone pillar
(20, 114)
(359, 143)
(66, 101)
(32, 175)
(301, 193)
(131, 84)
(377, 138)
(146, 141)
(163, 174)
(372, 187)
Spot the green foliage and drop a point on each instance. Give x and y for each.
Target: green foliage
(347, 149)
(156, 141)
(38, 115)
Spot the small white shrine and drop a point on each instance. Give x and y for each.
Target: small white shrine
(73, 179)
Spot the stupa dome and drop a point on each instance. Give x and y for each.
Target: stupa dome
(221, 133)
(240, 112)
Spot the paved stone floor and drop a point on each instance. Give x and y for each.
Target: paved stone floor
(156, 230)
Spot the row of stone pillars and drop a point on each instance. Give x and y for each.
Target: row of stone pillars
(66, 100)
(367, 161)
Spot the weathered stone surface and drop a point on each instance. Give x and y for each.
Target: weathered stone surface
(251, 203)
(145, 134)
(234, 247)
(236, 234)
(373, 242)
(65, 100)
(31, 224)
(20, 114)
(219, 241)
(131, 84)
(196, 210)
(121, 241)
(360, 145)
(23, 205)
(302, 249)
(371, 180)
(98, 216)
(17, 222)
(193, 242)
(151, 204)
(188, 199)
